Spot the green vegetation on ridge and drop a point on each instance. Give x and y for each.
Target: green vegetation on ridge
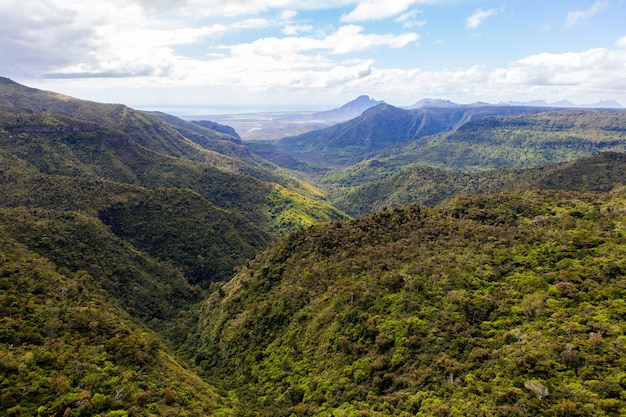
(499, 304)
(432, 186)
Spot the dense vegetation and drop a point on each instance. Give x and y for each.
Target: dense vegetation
(113, 223)
(120, 231)
(524, 140)
(497, 304)
(431, 186)
(374, 166)
(69, 349)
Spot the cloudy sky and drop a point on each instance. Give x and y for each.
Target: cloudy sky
(199, 56)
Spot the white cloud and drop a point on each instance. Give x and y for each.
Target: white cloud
(377, 10)
(233, 8)
(133, 41)
(575, 16)
(288, 14)
(594, 71)
(350, 39)
(347, 39)
(37, 37)
(478, 17)
(409, 19)
(292, 30)
(585, 76)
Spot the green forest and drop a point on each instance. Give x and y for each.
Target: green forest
(491, 305)
(434, 262)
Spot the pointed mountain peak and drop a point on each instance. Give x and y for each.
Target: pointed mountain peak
(349, 110)
(363, 101)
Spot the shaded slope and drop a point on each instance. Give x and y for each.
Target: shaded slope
(56, 145)
(505, 304)
(517, 141)
(140, 127)
(67, 348)
(158, 132)
(206, 243)
(152, 290)
(381, 127)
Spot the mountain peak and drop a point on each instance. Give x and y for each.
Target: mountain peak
(362, 101)
(349, 110)
(429, 102)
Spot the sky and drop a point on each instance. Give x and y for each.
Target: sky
(233, 56)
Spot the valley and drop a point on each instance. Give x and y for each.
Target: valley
(441, 260)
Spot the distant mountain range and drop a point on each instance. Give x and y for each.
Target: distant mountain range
(604, 104)
(428, 102)
(276, 125)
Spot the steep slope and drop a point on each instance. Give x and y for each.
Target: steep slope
(122, 148)
(432, 186)
(52, 162)
(140, 127)
(68, 348)
(501, 304)
(151, 290)
(167, 135)
(517, 141)
(381, 127)
(206, 243)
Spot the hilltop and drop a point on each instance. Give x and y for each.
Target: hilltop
(498, 304)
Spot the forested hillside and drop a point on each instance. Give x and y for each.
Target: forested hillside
(67, 345)
(155, 267)
(492, 305)
(431, 186)
(437, 153)
(114, 223)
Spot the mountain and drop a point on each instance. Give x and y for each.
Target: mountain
(495, 142)
(156, 131)
(497, 304)
(155, 266)
(180, 154)
(428, 102)
(604, 104)
(517, 141)
(381, 127)
(349, 110)
(270, 126)
(432, 186)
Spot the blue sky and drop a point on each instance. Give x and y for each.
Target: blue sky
(199, 56)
